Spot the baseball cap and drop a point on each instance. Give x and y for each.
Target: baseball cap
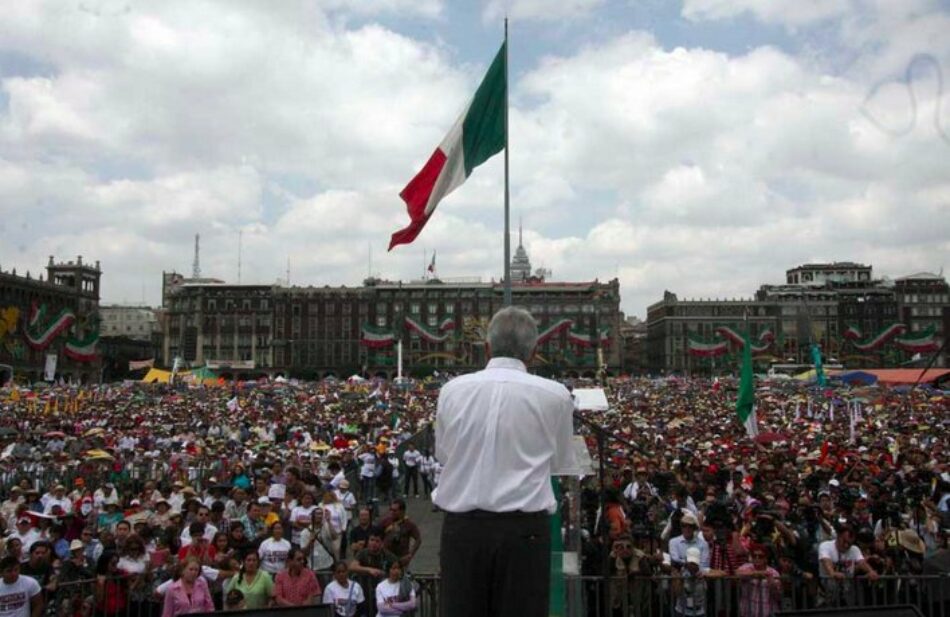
(692, 555)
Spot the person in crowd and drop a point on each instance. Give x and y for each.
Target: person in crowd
(198, 546)
(372, 563)
(359, 533)
(839, 561)
(689, 586)
(255, 585)
(412, 459)
(335, 515)
(395, 595)
(344, 595)
(189, 593)
(111, 589)
(688, 539)
(760, 591)
(301, 515)
(317, 541)
(22, 595)
(274, 550)
(296, 585)
(402, 536)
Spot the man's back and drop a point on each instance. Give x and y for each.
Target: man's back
(500, 434)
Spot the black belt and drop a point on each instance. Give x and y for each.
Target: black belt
(482, 514)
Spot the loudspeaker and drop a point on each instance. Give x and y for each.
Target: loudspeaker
(903, 610)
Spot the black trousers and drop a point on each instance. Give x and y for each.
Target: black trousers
(412, 474)
(495, 564)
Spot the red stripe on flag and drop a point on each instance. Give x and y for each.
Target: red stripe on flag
(416, 195)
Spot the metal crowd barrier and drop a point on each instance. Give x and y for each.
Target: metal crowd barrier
(593, 596)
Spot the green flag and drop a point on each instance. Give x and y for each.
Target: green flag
(745, 402)
(819, 371)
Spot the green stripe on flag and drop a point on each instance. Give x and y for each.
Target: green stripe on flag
(745, 401)
(483, 130)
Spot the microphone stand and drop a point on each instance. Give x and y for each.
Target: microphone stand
(602, 434)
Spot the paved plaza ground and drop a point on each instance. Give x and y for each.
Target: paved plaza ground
(426, 560)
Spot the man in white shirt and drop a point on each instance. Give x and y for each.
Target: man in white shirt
(412, 458)
(21, 595)
(690, 538)
(501, 434)
(58, 498)
(367, 473)
(840, 558)
(26, 533)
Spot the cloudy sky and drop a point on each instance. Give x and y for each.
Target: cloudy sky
(700, 146)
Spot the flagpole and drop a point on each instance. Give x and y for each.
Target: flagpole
(507, 298)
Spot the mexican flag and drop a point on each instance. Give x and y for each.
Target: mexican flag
(376, 338)
(745, 401)
(476, 136)
(921, 342)
(702, 349)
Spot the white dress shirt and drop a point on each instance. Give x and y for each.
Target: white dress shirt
(500, 434)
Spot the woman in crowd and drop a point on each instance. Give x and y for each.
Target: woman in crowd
(296, 585)
(395, 595)
(111, 595)
(317, 542)
(300, 516)
(335, 514)
(274, 550)
(344, 595)
(189, 593)
(254, 583)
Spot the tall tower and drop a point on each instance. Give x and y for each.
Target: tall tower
(196, 265)
(520, 264)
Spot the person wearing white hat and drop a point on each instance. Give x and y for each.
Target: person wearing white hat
(75, 567)
(689, 539)
(689, 588)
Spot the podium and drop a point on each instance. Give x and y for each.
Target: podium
(566, 524)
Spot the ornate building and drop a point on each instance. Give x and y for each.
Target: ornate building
(51, 323)
(520, 264)
(314, 331)
(855, 319)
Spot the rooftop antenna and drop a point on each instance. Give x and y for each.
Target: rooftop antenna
(288, 270)
(369, 263)
(240, 239)
(520, 243)
(196, 265)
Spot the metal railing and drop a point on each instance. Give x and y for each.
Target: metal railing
(590, 596)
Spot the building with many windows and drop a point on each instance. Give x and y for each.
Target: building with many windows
(51, 322)
(134, 322)
(853, 318)
(314, 331)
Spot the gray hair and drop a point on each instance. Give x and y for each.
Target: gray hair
(513, 333)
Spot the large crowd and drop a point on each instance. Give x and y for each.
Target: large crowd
(147, 499)
(843, 491)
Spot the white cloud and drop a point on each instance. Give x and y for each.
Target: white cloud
(673, 168)
(542, 10)
(787, 12)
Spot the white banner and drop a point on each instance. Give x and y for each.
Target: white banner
(49, 373)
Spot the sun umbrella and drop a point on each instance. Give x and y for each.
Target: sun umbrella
(99, 455)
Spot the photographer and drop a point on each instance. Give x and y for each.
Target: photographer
(630, 569)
